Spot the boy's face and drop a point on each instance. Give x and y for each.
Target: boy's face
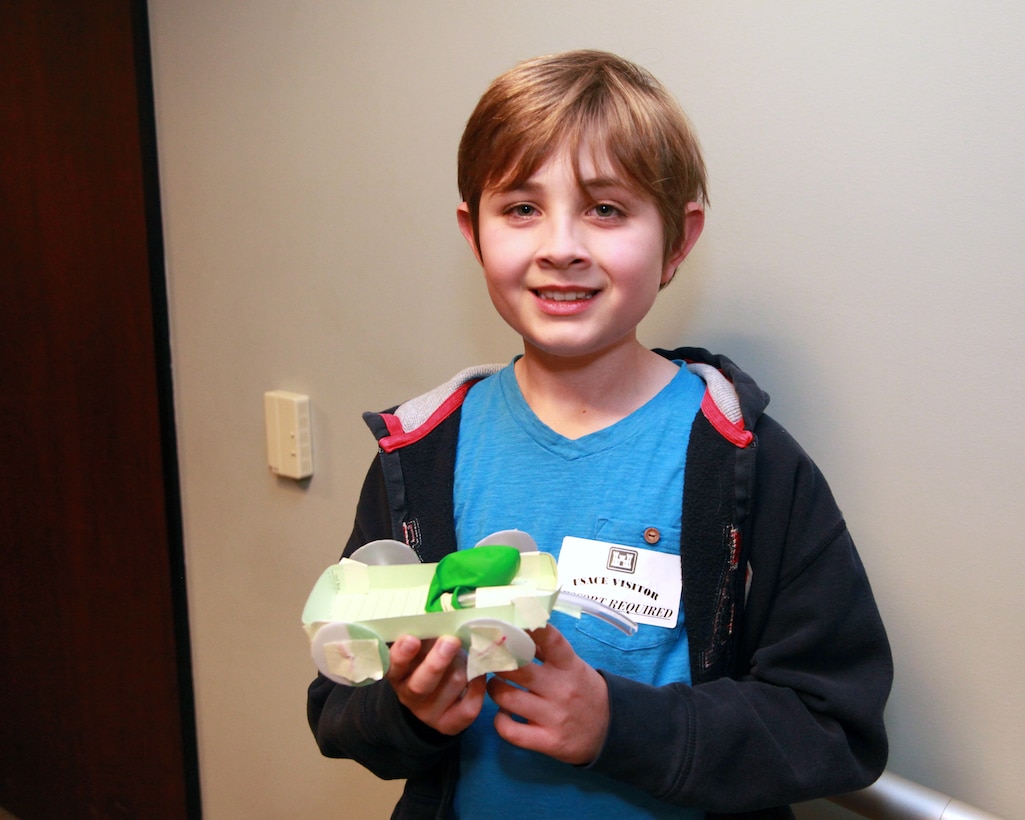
(574, 269)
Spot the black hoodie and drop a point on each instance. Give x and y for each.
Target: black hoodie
(790, 663)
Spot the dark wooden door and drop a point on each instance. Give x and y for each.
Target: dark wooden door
(95, 692)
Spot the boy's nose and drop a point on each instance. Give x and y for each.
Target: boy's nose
(561, 245)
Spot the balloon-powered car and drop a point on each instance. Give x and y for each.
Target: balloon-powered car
(487, 596)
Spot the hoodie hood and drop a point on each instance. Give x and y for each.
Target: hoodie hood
(733, 402)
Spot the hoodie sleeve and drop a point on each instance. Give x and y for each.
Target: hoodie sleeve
(367, 723)
(801, 717)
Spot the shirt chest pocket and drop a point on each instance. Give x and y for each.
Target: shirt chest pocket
(635, 569)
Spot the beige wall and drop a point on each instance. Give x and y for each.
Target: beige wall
(863, 258)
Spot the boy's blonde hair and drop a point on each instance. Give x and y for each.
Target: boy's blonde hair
(583, 99)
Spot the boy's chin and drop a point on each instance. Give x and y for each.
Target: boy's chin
(574, 351)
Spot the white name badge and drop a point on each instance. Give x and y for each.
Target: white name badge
(641, 583)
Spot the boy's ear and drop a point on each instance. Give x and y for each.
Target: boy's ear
(693, 223)
(466, 229)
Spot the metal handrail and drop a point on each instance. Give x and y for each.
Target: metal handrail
(893, 797)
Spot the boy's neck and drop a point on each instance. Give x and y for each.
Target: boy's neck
(579, 396)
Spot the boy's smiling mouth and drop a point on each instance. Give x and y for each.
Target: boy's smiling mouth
(551, 294)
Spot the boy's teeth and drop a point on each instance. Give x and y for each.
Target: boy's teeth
(564, 295)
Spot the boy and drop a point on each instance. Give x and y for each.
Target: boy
(760, 677)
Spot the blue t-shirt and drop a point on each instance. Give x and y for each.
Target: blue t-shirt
(614, 485)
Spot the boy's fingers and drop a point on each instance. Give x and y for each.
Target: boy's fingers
(552, 650)
(516, 699)
(463, 709)
(552, 645)
(431, 682)
(403, 652)
(472, 697)
(429, 673)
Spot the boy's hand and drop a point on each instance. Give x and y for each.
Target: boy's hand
(564, 701)
(429, 678)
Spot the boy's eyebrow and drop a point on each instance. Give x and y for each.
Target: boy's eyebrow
(595, 183)
(526, 186)
(604, 182)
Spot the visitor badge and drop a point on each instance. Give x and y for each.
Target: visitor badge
(641, 583)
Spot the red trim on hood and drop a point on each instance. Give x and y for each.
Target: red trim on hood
(733, 432)
(393, 424)
(400, 438)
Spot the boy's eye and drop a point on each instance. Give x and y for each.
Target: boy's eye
(523, 210)
(605, 210)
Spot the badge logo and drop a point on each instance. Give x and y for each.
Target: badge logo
(622, 560)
